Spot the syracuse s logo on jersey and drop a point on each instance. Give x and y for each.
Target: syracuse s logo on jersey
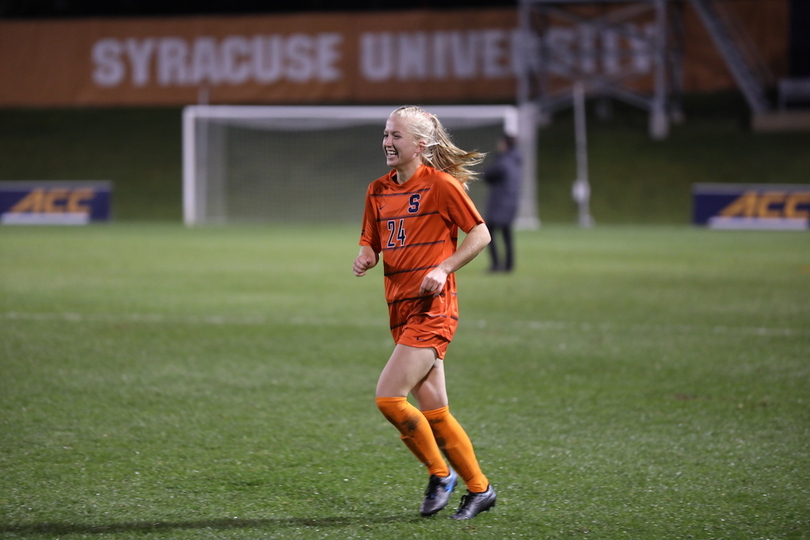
(415, 202)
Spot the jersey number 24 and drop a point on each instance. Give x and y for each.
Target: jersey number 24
(397, 230)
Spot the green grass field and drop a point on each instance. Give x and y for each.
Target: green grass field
(626, 382)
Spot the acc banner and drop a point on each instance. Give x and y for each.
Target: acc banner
(54, 202)
(748, 206)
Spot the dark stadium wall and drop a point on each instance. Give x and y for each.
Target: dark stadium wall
(427, 56)
(800, 38)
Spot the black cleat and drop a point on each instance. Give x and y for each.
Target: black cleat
(437, 494)
(473, 504)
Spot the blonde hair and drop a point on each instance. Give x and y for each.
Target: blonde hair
(440, 152)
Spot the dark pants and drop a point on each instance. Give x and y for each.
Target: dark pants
(507, 263)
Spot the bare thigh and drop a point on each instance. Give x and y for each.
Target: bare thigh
(417, 371)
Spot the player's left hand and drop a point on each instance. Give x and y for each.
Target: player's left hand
(433, 282)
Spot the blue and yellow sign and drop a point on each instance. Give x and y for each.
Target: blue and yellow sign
(749, 206)
(54, 202)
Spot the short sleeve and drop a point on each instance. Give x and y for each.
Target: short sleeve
(370, 234)
(459, 208)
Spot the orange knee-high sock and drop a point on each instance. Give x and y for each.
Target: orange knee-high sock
(458, 448)
(415, 432)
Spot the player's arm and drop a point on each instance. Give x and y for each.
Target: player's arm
(367, 259)
(475, 242)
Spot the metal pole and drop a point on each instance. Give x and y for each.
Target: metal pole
(527, 217)
(659, 119)
(581, 190)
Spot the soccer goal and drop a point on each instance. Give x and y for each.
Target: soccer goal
(304, 164)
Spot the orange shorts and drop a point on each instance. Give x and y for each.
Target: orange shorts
(425, 322)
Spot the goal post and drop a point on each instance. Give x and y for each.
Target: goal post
(307, 164)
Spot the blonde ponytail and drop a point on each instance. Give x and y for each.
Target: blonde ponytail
(440, 152)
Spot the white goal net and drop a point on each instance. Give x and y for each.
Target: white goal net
(304, 164)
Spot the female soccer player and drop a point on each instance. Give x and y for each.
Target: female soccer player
(412, 217)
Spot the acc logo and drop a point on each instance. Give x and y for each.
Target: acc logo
(769, 204)
(56, 200)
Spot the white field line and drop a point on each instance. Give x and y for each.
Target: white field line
(608, 328)
(156, 318)
(518, 325)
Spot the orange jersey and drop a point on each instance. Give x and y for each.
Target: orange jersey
(415, 227)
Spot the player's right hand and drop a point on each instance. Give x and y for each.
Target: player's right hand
(363, 263)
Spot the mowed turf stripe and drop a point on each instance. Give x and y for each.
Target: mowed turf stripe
(533, 325)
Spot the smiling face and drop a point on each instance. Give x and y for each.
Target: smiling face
(402, 150)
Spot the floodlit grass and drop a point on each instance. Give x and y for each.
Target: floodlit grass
(625, 382)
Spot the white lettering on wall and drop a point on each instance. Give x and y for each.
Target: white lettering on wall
(174, 61)
(440, 55)
(327, 55)
(411, 63)
(267, 62)
(109, 68)
(464, 54)
(235, 60)
(586, 49)
(498, 54)
(495, 59)
(383, 56)
(139, 53)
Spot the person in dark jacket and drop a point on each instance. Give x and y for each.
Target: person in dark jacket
(503, 177)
